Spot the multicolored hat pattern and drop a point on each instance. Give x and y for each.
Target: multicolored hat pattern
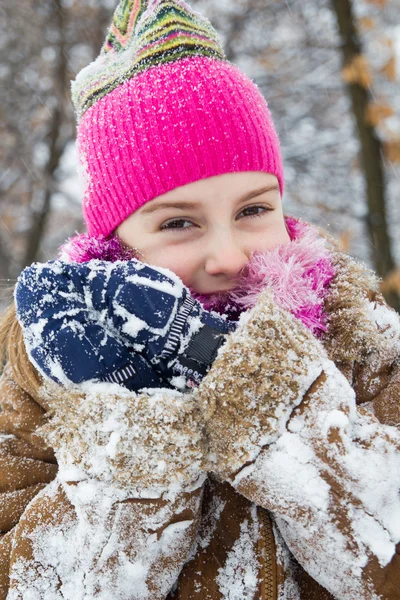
(144, 34)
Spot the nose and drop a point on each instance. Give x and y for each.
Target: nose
(226, 256)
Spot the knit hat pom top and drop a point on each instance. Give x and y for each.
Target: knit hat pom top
(144, 34)
(161, 107)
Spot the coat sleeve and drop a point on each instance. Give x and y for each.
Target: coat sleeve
(284, 429)
(26, 464)
(120, 518)
(376, 374)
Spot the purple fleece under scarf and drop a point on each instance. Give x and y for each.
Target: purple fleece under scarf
(298, 273)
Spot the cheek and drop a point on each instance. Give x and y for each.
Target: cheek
(274, 234)
(279, 236)
(172, 258)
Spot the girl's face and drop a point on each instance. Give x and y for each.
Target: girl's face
(206, 231)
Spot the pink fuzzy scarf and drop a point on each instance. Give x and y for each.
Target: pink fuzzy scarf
(298, 273)
(84, 247)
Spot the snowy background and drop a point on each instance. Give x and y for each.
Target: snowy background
(291, 48)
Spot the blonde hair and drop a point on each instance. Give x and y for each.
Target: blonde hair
(13, 352)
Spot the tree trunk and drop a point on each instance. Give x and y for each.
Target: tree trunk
(371, 149)
(39, 218)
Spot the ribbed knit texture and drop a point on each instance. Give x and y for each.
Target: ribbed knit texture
(161, 108)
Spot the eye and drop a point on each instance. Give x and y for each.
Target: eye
(177, 225)
(254, 211)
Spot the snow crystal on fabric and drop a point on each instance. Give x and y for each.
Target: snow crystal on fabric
(209, 522)
(108, 548)
(152, 441)
(387, 322)
(238, 577)
(288, 588)
(256, 382)
(326, 470)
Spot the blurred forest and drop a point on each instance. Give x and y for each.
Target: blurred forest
(329, 69)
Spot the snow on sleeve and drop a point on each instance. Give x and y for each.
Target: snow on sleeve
(106, 547)
(238, 577)
(332, 480)
(284, 429)
(130, 471)
(151, 441)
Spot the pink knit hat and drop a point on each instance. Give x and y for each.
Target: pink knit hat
(161, 108)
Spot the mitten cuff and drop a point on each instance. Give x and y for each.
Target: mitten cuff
(260, 375)
(147, 442)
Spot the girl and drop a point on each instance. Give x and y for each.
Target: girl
(222, 382)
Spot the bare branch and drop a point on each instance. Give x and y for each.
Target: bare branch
(371, 149)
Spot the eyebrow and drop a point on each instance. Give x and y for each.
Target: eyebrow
(149, 208)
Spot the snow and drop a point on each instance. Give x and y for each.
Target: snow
(132, 324)
(38, 327)
(288, 588)
(154, 439)
(371, 534)
(387, 321)
(209, 523)
(84, 177)
(243, 473)
(308, 479)
(92, 555)
(173, 532)
(237, 579)
(111, 448)
(162, 286)
(290, 462)
(335, 418)
(113, 543)
(179, 382)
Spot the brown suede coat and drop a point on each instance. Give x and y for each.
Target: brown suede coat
(364, 351)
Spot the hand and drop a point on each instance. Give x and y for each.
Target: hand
(100, 320)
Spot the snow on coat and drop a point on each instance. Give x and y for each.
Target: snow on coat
(277, 478)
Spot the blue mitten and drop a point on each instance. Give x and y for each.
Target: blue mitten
(124, 322)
